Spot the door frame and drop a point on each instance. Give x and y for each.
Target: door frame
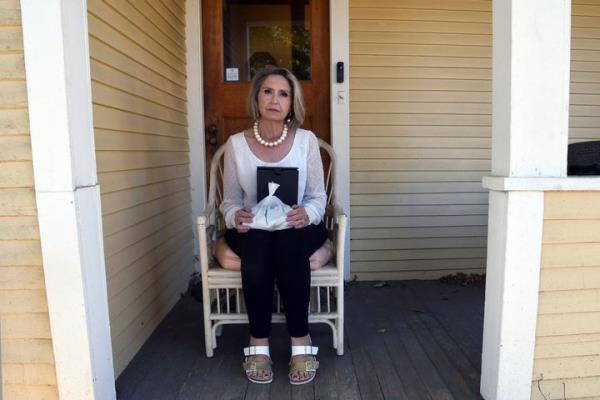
(339, 50)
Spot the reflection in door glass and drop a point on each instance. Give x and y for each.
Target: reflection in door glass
(258, 33)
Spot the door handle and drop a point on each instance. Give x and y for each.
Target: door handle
(211, 131)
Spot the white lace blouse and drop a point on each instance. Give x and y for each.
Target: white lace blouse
(239, 176)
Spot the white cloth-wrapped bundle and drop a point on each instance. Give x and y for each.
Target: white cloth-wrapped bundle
(270, 213)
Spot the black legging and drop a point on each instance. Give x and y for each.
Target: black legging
(281, 256)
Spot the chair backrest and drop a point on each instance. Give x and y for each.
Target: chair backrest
(215, 192)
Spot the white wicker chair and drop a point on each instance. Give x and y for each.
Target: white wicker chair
(222, 295)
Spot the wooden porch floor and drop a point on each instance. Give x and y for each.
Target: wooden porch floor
(411, 340)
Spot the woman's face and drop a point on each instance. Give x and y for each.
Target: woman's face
(275, 98)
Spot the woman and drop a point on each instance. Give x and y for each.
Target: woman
(275, 101)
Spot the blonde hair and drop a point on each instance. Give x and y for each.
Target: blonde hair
(297, 111)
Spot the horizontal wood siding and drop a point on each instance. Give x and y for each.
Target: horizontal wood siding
(584, 121)
(567, 351)
(28, 370)
(420, 126)
(138, 69)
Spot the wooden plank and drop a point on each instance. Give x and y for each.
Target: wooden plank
(421, 130)
(419, 15)
(29, 374)
(416, 176)
(432, 50)
(419, 26)
(19, 228)
(569, 278)
(412, 242)
(121, 240)
(569, 301)
(404, 72)
(576, 388)
(419, 153)
(146, 249)
(128, 21)
(473, 85)
(477, 235)
(117, 120)
(568, 324)
(27, 351)
(462, 5)
(419, 165)
(425, 221)
(374, 188)
(15, 202)
(567, 367)
(123, 199)
(177, 22)
(571, 231)
(17, 392)
(134, 52)
(119, 99)
(128, 309)
(406, 275)
(120, 180)
(570, 255)
(120, 220)
(391, 255)
(414, 199)
(13, 94)
(15, 148)
(10, 12)
(25, 325)
(14, 121)
(22, 278)
(20, 252)
(12, 66)
(554, 350)
(156, 18)
(571, 205)
(415, 96)
(418, 265)
(16, 174)
(374, 107)
(113, 140)
(135, 79)
(162, 253)
(419, 119)
(421, 38)
(577, 338)
(429, 210)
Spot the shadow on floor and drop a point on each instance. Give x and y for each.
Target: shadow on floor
(410, 340)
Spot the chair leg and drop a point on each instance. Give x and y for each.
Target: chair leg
(208, 340)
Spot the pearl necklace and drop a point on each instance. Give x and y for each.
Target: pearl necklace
(265, 143)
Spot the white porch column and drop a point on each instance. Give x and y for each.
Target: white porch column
(531, 50)
(68, 195)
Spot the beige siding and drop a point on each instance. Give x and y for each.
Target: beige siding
(585, 71)
(420, 125)
(28, 370)
(567, 347)
(138, 83)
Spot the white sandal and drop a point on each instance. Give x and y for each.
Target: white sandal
(303, 366)
(257, 366)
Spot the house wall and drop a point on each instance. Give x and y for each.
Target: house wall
(138, 66)
(420, 126)
(567, 347)
(27, 367)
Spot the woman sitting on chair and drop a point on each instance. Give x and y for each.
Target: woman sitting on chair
(275, 101)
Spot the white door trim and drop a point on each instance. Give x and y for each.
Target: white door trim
(57, 63)
(339, 44)
(195, 114)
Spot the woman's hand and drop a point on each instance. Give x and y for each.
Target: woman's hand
(298, 218)
(242, 216)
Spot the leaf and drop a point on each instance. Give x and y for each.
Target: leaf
(381, 331)
(381, 284)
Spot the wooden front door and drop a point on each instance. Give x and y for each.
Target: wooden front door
(241, 36)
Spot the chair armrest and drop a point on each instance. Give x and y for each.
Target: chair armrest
(203, 220)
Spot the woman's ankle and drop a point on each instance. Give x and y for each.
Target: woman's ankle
(259, 341)
(301, 340)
